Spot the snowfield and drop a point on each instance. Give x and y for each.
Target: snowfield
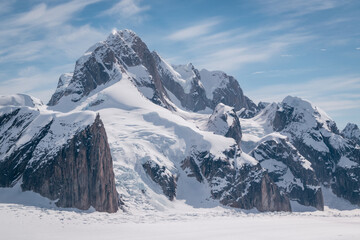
(30, 216)
(27, 222)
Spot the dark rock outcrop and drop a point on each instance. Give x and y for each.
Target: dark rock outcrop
(196, 98)
(283, 117)
(247, 186)
(13, 166)
(14, 160)
(334, 158)
(232, 95)
(163, 177)
(290, 171)
(147, 59)
(192, 169)
(80, 175)
(88, 75)
(346, 183)
(224, 121)
(351, 132)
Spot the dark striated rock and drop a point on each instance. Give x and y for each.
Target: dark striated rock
(192, 169)
(13, 166)
(88, 75)
(232, 95)
(196, 98)
(351, 132)
(14, 160)
(235, 130)
(80, 175)
(315, 136)
(163, 177)
(346, 183)
(283, 117)
(322, 162)
(148, 60)
(247, 186)
(262, 105)
(290, 171)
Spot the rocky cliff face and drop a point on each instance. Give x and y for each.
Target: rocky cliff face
(351, 132)
(197, 90)
(316, 138)
(163, 177)
(239, 184)
(80, 175)
(291, 172)
(62, 159)
(224, 121)
(106, 62)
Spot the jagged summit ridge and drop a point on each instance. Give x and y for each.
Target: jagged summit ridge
(352, 132)
(124, 54)
(304, 131)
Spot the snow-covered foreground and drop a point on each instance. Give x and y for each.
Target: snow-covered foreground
(28, 222)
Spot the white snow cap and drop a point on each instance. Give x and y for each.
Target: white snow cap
(221, 120)
(351, 131)
(126, 35)
(309, 110)
(297, 102)
(19, 100)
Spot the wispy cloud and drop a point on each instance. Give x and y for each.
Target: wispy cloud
(309, 89)
(128, 9)
(231, 49)
(248, 50)
(297, 7)
(194, 31)
(67, 40)
(44, 31)
(258, 72)
(6, 6)
(44, 16)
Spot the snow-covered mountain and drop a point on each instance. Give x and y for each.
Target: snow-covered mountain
(302, 148)
(352, 132)
(125, 121)
(62, 156)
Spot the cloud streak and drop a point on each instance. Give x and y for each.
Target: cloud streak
(193, 31)
(297, 8)
(44, 16)
(128, 9)
(45, 31)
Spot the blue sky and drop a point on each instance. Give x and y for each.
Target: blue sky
(275, 48)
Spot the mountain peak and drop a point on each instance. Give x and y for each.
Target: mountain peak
(297, 102)
(351, 131)
(128, 36)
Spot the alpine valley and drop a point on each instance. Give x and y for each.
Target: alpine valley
(127, 131)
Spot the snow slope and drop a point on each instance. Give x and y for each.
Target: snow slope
(20, 222)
